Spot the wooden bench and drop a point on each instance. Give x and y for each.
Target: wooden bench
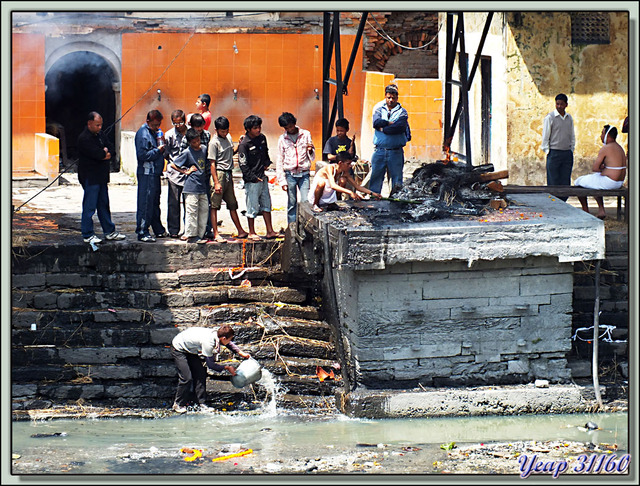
(568, 191)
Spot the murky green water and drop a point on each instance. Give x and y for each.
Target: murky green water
(280, 442)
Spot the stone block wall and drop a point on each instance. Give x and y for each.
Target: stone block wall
(445, 323)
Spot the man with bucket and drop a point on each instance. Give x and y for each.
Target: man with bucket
(186, 349)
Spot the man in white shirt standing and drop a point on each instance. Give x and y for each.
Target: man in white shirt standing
(559, 142)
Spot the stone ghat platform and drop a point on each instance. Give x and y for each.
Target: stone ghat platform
(377, 234)
(466, 301)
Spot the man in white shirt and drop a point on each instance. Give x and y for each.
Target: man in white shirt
(187, 348)
(559, 142)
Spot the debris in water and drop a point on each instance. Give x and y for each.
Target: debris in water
(448, 447)
(608, 447)
(55, 434)
(323, 375)
(229, 456)
(591, 426)
(195, 453)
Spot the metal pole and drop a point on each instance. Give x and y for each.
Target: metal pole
(327, 53)
(354, 51)
(338, 55)
(464, 91)
(450, 53)
(474, 68)
(596, 332)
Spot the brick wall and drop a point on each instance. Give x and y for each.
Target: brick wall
(414, 30)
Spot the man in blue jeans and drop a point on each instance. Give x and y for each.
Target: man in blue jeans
(391, 134)
(94, 159)
(150, 155)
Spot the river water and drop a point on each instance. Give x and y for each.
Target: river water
(276, 441)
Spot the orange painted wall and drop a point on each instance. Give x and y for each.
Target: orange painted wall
(419, 98)
(272, 73)
(422, 100)
(27, 98)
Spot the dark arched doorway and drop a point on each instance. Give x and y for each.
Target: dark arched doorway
(76, 84)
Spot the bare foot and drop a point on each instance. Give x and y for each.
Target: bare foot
(601, 216)
(317, 208)
(271, 236)
(242, 236)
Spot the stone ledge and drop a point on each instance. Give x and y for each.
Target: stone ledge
(472, 401)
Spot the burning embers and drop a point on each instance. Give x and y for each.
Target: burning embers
(445, 188)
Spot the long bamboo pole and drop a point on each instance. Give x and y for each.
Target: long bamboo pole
(596, 332)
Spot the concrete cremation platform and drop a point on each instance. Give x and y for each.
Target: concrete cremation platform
(458, 302)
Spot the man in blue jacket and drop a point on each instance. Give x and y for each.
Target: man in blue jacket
(391, 134)
(150, 154)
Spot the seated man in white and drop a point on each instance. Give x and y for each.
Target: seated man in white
(609, 169)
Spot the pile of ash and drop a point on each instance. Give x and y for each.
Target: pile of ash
(441, 190)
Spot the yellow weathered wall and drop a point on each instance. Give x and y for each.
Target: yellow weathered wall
(541, 62)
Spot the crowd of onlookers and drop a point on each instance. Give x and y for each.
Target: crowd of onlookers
(197, 158)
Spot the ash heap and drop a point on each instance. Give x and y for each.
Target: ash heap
(441, 190)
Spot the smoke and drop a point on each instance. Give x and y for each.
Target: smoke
(309, 113)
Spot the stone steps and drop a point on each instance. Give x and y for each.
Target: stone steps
(225, 312)
(114, 385)
(89, 333)
(82, 299)
(165, 281)
(104, 337)
(166, 255)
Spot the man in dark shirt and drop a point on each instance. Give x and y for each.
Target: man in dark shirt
(253, 159)
(95, 153)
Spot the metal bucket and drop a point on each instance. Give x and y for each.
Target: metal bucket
(247, 373)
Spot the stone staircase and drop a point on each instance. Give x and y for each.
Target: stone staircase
(96, 327)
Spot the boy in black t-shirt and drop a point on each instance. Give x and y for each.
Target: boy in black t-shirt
(253, 158)
(340, 142)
